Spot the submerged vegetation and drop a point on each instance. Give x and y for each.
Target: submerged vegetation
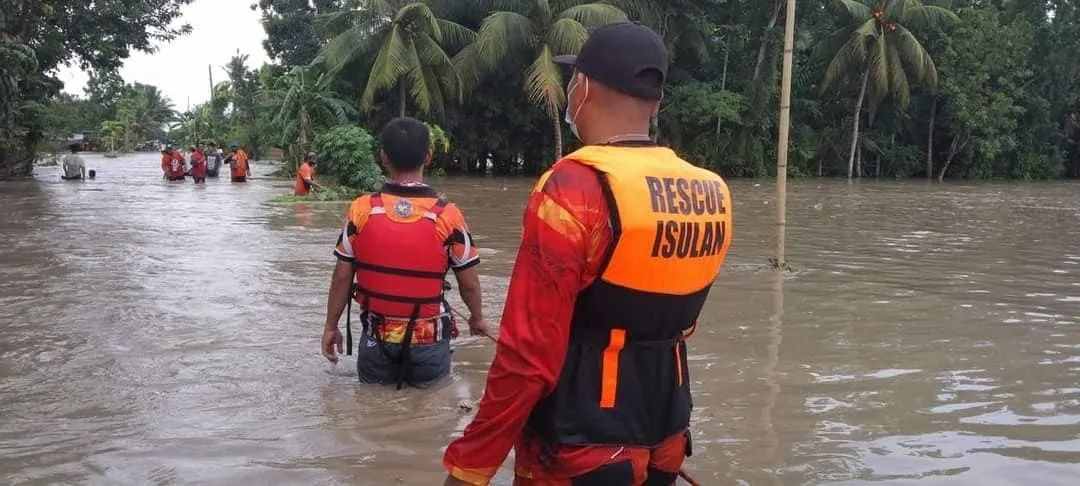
(886, 88)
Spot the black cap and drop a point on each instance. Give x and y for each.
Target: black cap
(628, 57)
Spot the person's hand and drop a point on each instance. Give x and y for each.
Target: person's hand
(478, 327)
(331, 344)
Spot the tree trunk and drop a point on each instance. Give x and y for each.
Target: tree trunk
(953, 150)
(855, 125)
(723, 86)
(723, 78)
(930, 140)
(305, 129)
(858, 161)
(763, 48)
(401, 98)
(558, 137)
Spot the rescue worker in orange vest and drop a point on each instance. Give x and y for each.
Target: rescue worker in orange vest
(621, 243)
(305, 176)
(397, 246)
(173, 164)
(239, 166)
(198, 164)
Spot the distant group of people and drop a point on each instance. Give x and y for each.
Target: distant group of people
(204, 162)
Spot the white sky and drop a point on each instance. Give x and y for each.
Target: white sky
(178, 68)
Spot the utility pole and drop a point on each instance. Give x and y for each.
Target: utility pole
(784, 138)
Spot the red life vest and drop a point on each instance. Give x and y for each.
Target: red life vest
(400, 266)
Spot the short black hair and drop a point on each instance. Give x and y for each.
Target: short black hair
(405, 142)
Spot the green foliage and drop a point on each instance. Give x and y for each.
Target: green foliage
(347, 154)
(1002, 85)
(403, 45)
(440, 140)
(325, 194)
(697, 119)
(984, 83)
(291, 36)
(36, 37)
(304, 101)
(532, 33)
(112, 132)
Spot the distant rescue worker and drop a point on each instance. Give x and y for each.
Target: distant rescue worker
(622, 241)
(73, 167)
(215, 157)
(305, 176)
(198, 164)
(172, 164)
(239, 165)
(393, 256)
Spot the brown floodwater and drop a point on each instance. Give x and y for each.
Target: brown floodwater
(157, 333)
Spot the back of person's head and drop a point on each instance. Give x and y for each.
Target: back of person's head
(405, 143)
(74, 148)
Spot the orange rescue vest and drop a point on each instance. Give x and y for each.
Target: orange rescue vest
(625, 378)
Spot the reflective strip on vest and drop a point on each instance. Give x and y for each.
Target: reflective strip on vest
(609, 374)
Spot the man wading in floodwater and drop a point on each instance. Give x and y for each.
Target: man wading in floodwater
(73, 168)
(622, 241)
(398, 244)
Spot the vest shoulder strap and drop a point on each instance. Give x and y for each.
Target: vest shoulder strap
(437, 210)
(377, 204)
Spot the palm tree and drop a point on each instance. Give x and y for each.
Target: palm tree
(874, 43)
(409, 45)
(303, 99)
(144, 110)
(532, 30)
(112, 130)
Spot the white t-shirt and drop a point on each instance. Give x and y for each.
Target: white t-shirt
(73, 166)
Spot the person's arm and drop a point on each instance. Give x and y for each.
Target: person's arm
(553, 264)
(340, 290)
(469, 288)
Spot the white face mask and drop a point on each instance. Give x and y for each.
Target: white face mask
(569, 119)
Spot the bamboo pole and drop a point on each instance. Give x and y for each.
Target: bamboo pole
(785, 134)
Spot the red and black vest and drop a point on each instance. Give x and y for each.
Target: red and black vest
(625, 380)
(400, 266)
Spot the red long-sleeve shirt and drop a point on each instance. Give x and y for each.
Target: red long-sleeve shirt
(567, 230)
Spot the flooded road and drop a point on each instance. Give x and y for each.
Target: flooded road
(157, 333)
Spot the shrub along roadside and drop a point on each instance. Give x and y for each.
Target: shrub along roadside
(346, 164)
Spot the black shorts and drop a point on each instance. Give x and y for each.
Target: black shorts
(175, 179)
(239, 179)
(199, 180)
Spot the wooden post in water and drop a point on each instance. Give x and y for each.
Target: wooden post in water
(785, 134)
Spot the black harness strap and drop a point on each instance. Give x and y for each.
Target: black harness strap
(404, 370)
(348, 321)
(399, 298)
(400, 271)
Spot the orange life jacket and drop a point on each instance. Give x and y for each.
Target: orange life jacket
(303, 174)
(240, 164)
(625, 378)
